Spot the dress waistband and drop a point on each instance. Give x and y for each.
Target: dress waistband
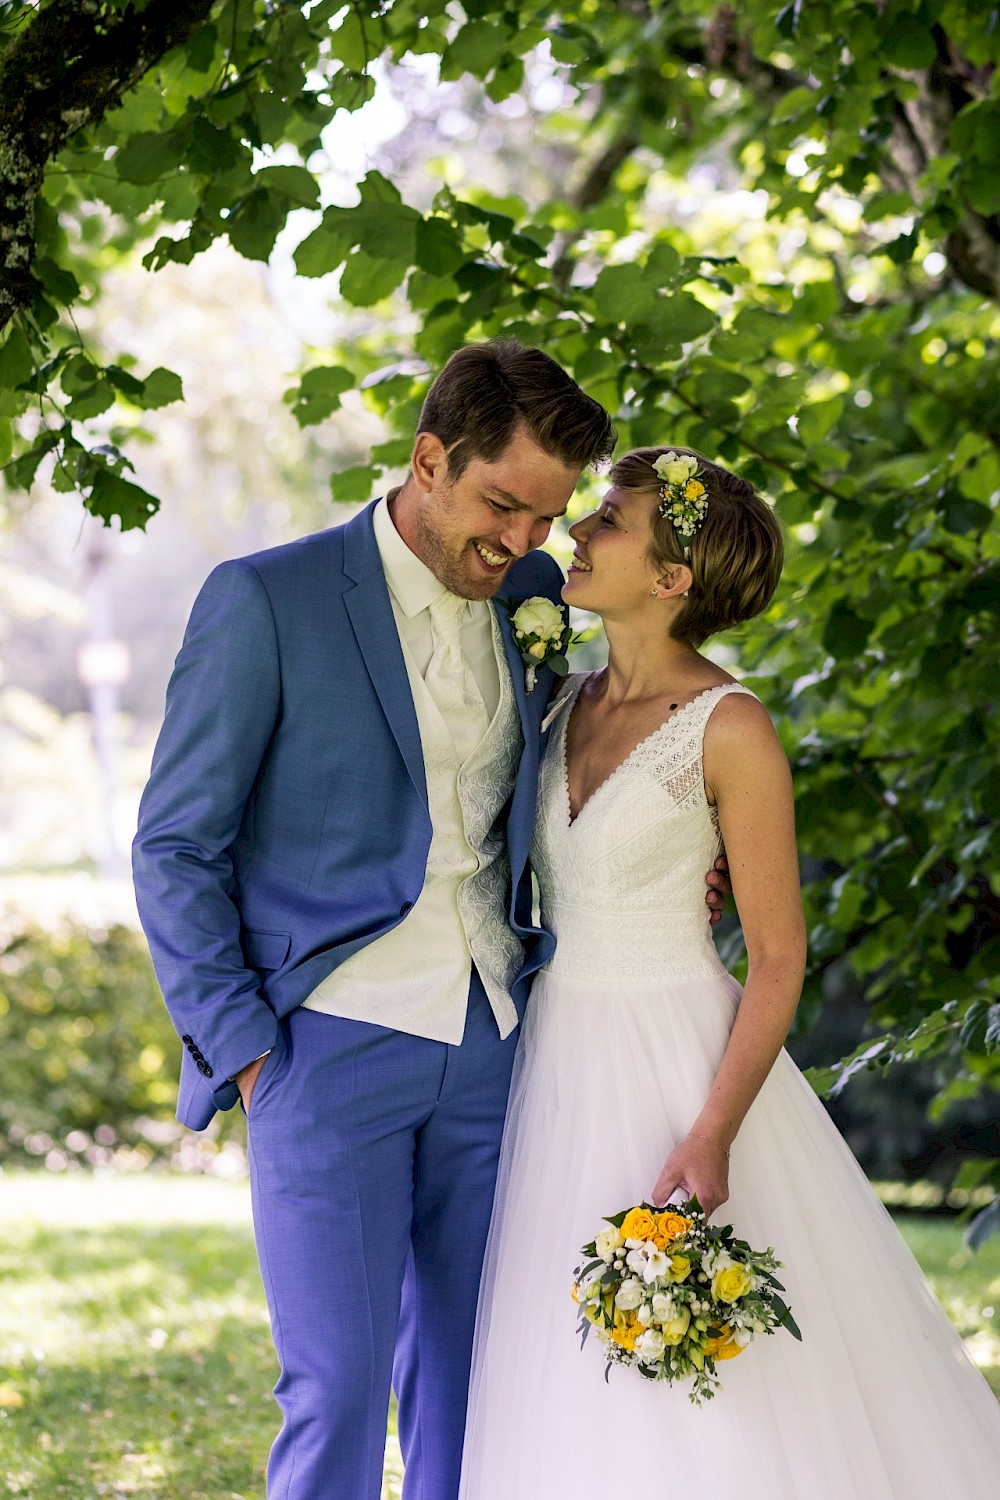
(592, 943)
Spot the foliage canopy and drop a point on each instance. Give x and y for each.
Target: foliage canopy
(833, 339)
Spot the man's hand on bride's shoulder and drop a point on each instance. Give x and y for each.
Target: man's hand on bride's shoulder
(719, 887)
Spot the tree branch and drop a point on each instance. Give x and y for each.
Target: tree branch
(61, 74)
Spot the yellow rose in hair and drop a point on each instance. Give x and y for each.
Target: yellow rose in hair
(693, 489)
(638, 1224)
(731, 1283)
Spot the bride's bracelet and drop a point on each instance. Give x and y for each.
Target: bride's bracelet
(712, 1142)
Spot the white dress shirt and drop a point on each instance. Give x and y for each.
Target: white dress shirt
(415, 978)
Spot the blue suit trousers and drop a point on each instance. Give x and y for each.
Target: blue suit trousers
(373, 1158)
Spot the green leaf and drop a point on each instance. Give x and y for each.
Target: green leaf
(439, 249)
(91, 402)
(149, 156)
(624, 294)
(353, 485)
(908, 44)
(352, 42)
(845, 633)
(56, 280)
(681, 318)
(254, 225)
(160, 388)
(112, 496)
(982, 188)
(318, 393)
(297, 184)
(125, 384)
(964, 516)
(366, 281)
(815, 421)
(17, 363)
(326, 248)
(477, 49)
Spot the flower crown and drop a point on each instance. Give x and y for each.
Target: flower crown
(684, 502)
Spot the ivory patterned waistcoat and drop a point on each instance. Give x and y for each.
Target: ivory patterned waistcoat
(416, 977)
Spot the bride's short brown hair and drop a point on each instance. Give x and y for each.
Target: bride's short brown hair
(735, 557)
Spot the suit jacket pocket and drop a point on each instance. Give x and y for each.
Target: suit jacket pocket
(265, 950)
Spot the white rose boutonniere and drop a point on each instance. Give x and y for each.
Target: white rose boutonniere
(542, 636)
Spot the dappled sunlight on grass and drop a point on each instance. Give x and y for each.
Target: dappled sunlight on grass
(135, 1357)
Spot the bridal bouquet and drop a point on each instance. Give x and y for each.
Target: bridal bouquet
(672, 1295)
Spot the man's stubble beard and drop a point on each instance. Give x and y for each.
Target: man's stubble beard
(449, 570)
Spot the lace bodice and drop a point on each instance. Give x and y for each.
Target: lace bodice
(623, 884)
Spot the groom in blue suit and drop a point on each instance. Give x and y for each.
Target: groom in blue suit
(332, 872)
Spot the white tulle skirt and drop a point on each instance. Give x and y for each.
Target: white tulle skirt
(879, 1402)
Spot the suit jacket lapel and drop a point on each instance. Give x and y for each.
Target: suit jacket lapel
(370, 612)
(525, 703)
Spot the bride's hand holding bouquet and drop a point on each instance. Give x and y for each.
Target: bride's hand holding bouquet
(699, 1166)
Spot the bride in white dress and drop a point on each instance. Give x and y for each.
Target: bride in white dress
(643, 1067)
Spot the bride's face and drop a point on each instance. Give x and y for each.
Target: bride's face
(612, 572)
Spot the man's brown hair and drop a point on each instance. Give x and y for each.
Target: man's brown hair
(486, 391)
(735, 557)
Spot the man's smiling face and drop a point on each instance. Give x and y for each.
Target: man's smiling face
(471, 530)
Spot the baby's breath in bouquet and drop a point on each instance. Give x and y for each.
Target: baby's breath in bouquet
(672, 1295)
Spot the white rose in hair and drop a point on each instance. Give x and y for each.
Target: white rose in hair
(673, 469)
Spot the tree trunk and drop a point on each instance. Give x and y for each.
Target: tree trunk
(61, 74)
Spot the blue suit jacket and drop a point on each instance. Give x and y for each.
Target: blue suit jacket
(285, 823)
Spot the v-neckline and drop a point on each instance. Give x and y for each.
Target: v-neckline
(570, 819)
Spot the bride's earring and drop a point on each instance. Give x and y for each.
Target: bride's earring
(653, 591)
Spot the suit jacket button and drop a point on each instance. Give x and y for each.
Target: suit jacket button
(186, 1040)
(203, 1068)
(406, 907)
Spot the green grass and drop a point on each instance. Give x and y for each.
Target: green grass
(134, 1350)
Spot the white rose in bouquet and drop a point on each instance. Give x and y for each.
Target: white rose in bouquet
(628, 1295)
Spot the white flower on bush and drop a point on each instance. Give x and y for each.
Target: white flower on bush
(540, 617)
(607, 1242)
(650, 1346)
(628, 1295)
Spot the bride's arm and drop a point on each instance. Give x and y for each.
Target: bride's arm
(747, 774)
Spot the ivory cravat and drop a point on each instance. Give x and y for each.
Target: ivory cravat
(449, 677)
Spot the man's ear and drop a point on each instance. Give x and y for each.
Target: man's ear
(429, 462)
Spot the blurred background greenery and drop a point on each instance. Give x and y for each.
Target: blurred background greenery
(770, 232)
